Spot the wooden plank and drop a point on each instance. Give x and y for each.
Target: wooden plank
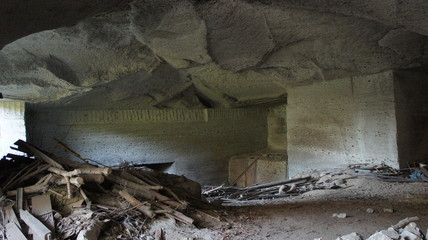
(13, 232)
(295, 181)
(42, 209)
(39, 154)
(19, 198)
(37, 227)
(146, 209)
(10, 216)
(243, 172)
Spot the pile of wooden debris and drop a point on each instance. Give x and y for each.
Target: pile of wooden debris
(333, 180)
(49, 197)
(417, 173)
(280, 189)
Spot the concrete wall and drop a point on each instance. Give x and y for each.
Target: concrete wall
(198, 141)
(12, 125)
(411, 91)
(342, 121)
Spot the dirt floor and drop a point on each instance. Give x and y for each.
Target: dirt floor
(310, 215)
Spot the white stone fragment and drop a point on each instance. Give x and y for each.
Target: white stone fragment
(339, 215)
(412, 227)
(391, 233)
(410, 236)
(379, 236)
(388, 210)
(370, 210)
(351, 236)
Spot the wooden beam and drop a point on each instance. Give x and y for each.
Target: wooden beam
(40, 230)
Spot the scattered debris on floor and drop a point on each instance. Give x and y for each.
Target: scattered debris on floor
(285, 188)
(280, 189)
(47, 197)
(389, 174)
(406, 229)
(297, 186)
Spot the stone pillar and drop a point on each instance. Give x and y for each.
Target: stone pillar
(342, 121)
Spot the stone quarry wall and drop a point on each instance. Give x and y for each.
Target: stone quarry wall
(12, 124)
(342, 121)
(411, 91)
(277, 128)
(199, 141)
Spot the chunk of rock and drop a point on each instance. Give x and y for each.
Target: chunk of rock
(391, 233)
(410, 236)
(351, 236)
(91, 232)
(411, 227)
(339, 215)
(338, 182)
(370, 210)
(381, 236)
(388, 210)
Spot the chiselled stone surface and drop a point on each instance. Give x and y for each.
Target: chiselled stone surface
(172, 29)
(184, 54)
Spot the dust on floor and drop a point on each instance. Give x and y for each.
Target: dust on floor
(310, 215)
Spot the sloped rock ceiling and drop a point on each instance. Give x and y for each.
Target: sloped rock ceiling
(193, 54)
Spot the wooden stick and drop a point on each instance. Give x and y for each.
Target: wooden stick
(295, 180)
(213, 190)
(78, 171)
(76, 181)
(30, 189)
(151, 195)
(404, 222)
(175, 214)
(132, 178)
(168, 201)
(85, 197)
(143, 207)
(31, 172)
(67, 181)
(98, 178)
(133, 185)
(67, 148)
(40, 154)
(147, 179)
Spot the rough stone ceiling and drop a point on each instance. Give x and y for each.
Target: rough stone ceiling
(224, 53)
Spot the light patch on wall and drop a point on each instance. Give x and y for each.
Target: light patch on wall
(12, 124)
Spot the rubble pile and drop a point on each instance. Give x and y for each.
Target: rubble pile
(388, 174)
(280, 189)
(406, 229)
(314, 181)
(48, 197)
